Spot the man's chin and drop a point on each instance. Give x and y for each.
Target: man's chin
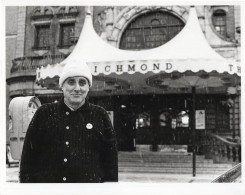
(76, 100)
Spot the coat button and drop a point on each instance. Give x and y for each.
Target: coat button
(67, 143)
(65, 159)
(64, 178)
(89, 126)
(67, 113)
(67, 127)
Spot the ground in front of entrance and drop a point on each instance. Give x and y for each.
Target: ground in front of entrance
(12, 176)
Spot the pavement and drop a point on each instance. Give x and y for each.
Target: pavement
(12, 176)
(12, 173)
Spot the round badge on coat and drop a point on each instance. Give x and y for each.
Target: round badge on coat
(89, 126)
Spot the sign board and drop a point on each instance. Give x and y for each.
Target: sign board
(200, 119)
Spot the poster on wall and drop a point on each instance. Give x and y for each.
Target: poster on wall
(200, 119)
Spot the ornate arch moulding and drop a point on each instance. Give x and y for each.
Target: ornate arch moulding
(130, 13)
(67, 12)
(42, 13)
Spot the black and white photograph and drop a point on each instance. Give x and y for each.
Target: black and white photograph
(123, 94)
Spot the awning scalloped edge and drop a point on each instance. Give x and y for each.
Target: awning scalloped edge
(142, 66)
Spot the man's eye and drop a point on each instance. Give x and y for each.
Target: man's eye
(71, 82)
(82, 82)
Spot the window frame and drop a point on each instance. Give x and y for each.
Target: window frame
(61, 25)
(216, 14)
(36, 37)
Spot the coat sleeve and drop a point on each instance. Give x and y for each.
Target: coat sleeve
(29, 165)
(109, 156)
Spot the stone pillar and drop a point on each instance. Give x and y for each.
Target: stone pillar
(201, 17)
(237, 16)
(235, 117)
(109, 20)
(155, 124)
(20, 45)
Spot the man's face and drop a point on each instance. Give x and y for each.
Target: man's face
(75, 90)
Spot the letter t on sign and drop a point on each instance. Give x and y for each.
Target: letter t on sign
(231, 66)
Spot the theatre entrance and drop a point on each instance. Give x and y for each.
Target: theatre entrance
(151, 120)
(155, 120)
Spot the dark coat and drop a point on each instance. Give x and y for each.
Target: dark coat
(69, 146)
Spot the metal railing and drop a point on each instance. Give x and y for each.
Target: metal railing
(221, 149)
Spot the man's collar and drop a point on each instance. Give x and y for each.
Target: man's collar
(72, 109)
(83, 107)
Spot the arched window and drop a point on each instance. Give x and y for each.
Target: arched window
(150, 30)
(219, 21)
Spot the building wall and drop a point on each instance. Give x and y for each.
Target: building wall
(114, 20)
(11, 37)
(109, 23)
(54, 28)
(228, 47)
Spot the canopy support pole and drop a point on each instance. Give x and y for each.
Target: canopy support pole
(193, 124)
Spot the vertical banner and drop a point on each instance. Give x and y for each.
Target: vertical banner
(111, 116)
(200, 119)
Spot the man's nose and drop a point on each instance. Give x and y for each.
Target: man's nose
(77, 87)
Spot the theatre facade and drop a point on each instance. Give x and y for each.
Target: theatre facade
(138, 66)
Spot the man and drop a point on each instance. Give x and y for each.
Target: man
(71, 141)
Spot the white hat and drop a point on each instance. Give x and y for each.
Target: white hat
(75, 70)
